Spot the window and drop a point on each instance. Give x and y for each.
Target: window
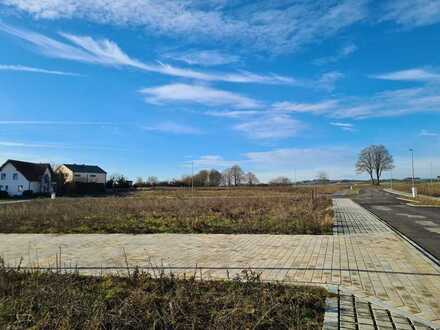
(20, 188)
(77, 175)
(92, 175)
(1, 187)
(3, 176)
(15, 176)
(6, 188)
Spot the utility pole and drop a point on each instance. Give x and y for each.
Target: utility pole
(413, 179)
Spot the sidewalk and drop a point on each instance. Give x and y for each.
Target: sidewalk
(364, 257)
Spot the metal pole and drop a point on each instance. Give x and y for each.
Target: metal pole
(192, 176)
(412, 166)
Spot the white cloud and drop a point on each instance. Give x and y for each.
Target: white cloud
(412, 13)
(33, 145)
(338, 162)
(341, 54)
(315, 108)
(173, 128)
(197, 94)
(427, 133)
(203, 57)
(233, 114)
(279, 126)
(22, 68)
(421, 75)
(344, 126)
(106, 52)
(48, 122)
(263, 25)
(328, 80)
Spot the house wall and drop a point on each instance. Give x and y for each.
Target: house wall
(13, 185)
(89, 177)
(69, 176)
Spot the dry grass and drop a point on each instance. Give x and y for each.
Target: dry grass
(227, 211)
(423, 188)
(70, 301)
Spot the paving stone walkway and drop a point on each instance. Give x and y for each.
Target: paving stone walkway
(364, 257)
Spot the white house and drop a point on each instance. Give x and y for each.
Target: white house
(17, 176)
(82, 173)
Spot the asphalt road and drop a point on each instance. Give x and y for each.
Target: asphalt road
(421, 224)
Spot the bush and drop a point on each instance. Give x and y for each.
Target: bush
(4, 194)
(28, 193)
(71, 301)
(82, 188)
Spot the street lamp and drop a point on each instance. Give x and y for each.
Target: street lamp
(192, 177)
(413, 190)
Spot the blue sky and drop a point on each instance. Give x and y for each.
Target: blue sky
(146, 87)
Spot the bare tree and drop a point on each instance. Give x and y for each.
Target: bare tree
(281, 180)
(322, 177)
(202, 178)
(139, 181)
(251, 178)
(152, 181)
(215, 178)
(227, 177)
(237, 174)
(374, 160)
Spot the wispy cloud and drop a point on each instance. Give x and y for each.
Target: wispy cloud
(55, 123)
(328, 80)
(270, 127)
(33, 145)
(173, 128)
(263, 25)
(417, 74)
(22, 68)
(233, 114)
(341, 54)
(203, 57)
(314, 108)
(336, 161)
(412, 13)
(197, 94)
(426, 133)
(344, 126)
(106, 52)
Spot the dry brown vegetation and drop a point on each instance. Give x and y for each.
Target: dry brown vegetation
(274, 210)
(423, 188)
(69, 301)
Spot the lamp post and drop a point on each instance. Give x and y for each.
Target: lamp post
(192, 177)
(413, 190)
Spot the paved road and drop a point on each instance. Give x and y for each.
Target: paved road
(6, 202)
(421, 224)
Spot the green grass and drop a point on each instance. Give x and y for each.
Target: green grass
(39, 300)
(217, 211)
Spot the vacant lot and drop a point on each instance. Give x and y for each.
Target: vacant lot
(227, 211)
(71, 301)
(425, 188)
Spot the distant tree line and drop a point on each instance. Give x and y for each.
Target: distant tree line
(233, 176)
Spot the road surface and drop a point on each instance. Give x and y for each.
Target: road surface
(421, 224)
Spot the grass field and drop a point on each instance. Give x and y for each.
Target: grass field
(269, 210)
(70, 301)
(424, 188)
